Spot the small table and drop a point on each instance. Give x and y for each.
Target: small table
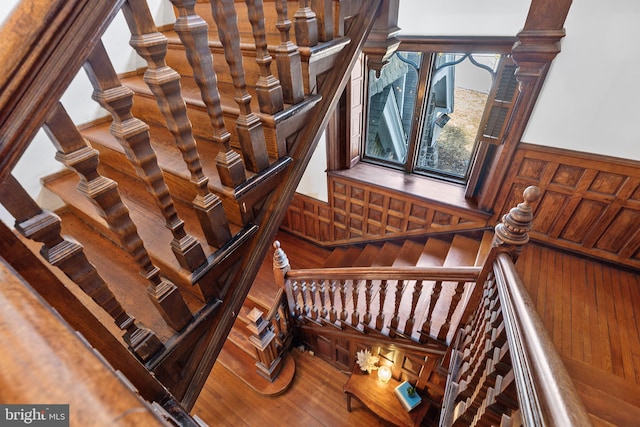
(380, 399)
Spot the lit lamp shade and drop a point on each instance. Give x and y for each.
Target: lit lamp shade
(384, 374)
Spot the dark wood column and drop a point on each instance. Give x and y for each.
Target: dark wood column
(538, 44)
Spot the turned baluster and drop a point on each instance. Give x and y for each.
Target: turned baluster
(383, 297)
(75, 153)
(355, 316)
(68, 255)
(324, 14)
(267, 87)
(455, 300)
(323, 298)
(303, 293)
(368, 293)
(312, 296)
(395, 320)
(343, 299)
(305, 25)
(295, 291)
(433, 300)
(164, 82)
(333, 314)
(288, 59)
(248, 125)
(193, 32)
(133, 135)
(417, 291)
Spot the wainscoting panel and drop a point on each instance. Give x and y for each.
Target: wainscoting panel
(590, 204)
(359, 211)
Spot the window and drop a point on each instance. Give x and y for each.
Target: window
(430, 111)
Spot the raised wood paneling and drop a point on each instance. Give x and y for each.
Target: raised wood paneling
(360, 211)
(589, 204)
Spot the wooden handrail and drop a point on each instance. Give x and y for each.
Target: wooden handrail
(274, 308)
(43, 44)
(546, 393)
(453, 274)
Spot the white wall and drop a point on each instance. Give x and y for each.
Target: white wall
(462, 17)
(590, 98)
(39, 159)
(314, 182)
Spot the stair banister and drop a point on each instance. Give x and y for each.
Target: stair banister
(248, 126)
(69, 256)
(193, 33)
(164, 83)
(546, 393)
(39, 61)
(276, 205)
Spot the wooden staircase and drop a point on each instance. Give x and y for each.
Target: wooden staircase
(183, 187)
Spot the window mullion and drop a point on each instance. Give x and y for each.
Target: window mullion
(424, 83)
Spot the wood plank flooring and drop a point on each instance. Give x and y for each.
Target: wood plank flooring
(592, 313)
(314, 399)
(591, 309)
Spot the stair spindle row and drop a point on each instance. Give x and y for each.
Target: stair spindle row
(164, 82)
(482, 388)
(74, 152)
(248, 125)
(68, 255)
(193, 32)
(309, 297)
(133, 135)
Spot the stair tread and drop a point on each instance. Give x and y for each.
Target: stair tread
(146, 216)
(462, 251)
(610, 385)
(409, 254)
(239, 335)
(368, 256)
(434, 253)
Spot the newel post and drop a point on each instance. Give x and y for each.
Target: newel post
(280, 269)
(264, 340)
(513, 232)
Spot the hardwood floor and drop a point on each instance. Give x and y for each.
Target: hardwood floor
(591, 311)
(315, 398)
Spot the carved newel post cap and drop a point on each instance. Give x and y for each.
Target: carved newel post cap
(280, 259)
(515, 225)
(531, 194)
